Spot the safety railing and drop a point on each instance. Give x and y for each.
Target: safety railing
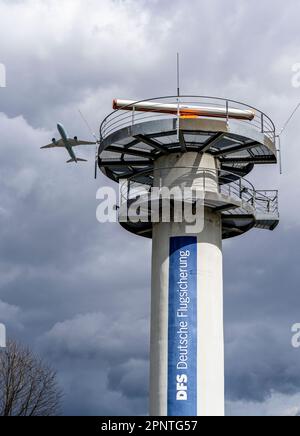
(267, 201)
(223, 182)
(121, 118)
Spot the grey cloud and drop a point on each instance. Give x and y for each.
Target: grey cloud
(130, 378)
(64, 277)
(97, 334)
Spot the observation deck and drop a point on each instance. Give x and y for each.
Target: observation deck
(241, 206)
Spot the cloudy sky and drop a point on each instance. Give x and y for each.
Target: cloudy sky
(77, 291)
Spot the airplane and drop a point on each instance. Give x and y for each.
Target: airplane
(68, 143)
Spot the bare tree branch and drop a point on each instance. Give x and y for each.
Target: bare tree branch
(28, 387)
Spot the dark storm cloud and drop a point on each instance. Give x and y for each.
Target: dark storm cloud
(78, 291)
(57, 262)
(96, 344)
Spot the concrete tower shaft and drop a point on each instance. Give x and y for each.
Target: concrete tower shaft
(202, 391)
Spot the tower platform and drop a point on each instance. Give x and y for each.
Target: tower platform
(241, 206)
(131, 143)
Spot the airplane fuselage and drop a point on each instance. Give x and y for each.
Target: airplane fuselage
(64, 138)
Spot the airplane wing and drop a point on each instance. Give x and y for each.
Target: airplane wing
(52, 145)
(75, 142)
(85, 143)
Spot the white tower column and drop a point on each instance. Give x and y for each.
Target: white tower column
(187, 340)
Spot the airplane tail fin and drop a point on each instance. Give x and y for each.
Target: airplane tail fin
(78, 160)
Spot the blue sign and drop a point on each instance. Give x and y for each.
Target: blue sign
(182, 325)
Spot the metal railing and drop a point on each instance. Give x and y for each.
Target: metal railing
(223, 182)
(267, 201)
(121, 118)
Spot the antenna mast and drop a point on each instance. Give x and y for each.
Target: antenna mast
(94, 136)
(178, 97)
(178, 75)
(288, 120)
(281, 132)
